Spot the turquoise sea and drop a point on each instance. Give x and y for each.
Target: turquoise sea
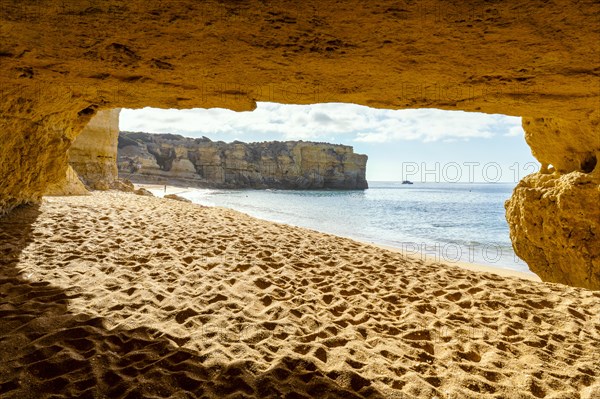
(448, 221)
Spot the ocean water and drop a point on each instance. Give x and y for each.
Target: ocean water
(451, 222)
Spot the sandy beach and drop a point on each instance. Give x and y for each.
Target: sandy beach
(161, 190)
(118, 295)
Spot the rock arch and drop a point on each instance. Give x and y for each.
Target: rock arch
(61, 63)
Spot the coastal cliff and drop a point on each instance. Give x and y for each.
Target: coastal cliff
(174, 159)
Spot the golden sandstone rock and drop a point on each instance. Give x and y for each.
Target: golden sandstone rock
(70, 184)
(554, 224)
(201, 162)
(62, 62)
(554, 215)
(93, 154)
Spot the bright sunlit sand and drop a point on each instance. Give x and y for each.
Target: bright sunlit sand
(161, 190)
(139, 287)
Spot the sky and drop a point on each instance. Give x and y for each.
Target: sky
(421, 145)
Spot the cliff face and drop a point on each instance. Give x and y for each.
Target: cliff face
(93, 154)
(532, 59)
(168, 158)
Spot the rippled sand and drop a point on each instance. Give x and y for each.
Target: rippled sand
(115, 295)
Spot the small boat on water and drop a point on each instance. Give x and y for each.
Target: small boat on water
(406, 182)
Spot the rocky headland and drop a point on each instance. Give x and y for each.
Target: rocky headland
(201, 162)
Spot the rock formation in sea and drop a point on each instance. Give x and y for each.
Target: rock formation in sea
(174, 159)
(62, 63)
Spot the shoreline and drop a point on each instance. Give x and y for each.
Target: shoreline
(477, 267)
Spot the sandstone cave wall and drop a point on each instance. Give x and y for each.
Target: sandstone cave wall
(93, 154)
(554, 215)
(173, 159)
(62, 62)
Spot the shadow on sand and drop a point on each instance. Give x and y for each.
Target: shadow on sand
(48, 351)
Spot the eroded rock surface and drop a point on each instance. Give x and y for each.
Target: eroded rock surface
(61, 62)
(554, 215)
(555, 227)
(93, 154)
(565, 145)
(529, 59)
(173, 159)
(70, 184)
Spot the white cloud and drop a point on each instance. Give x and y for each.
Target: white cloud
(515, 131)
(347, 122)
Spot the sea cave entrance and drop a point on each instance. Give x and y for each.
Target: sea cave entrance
(284, 162)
